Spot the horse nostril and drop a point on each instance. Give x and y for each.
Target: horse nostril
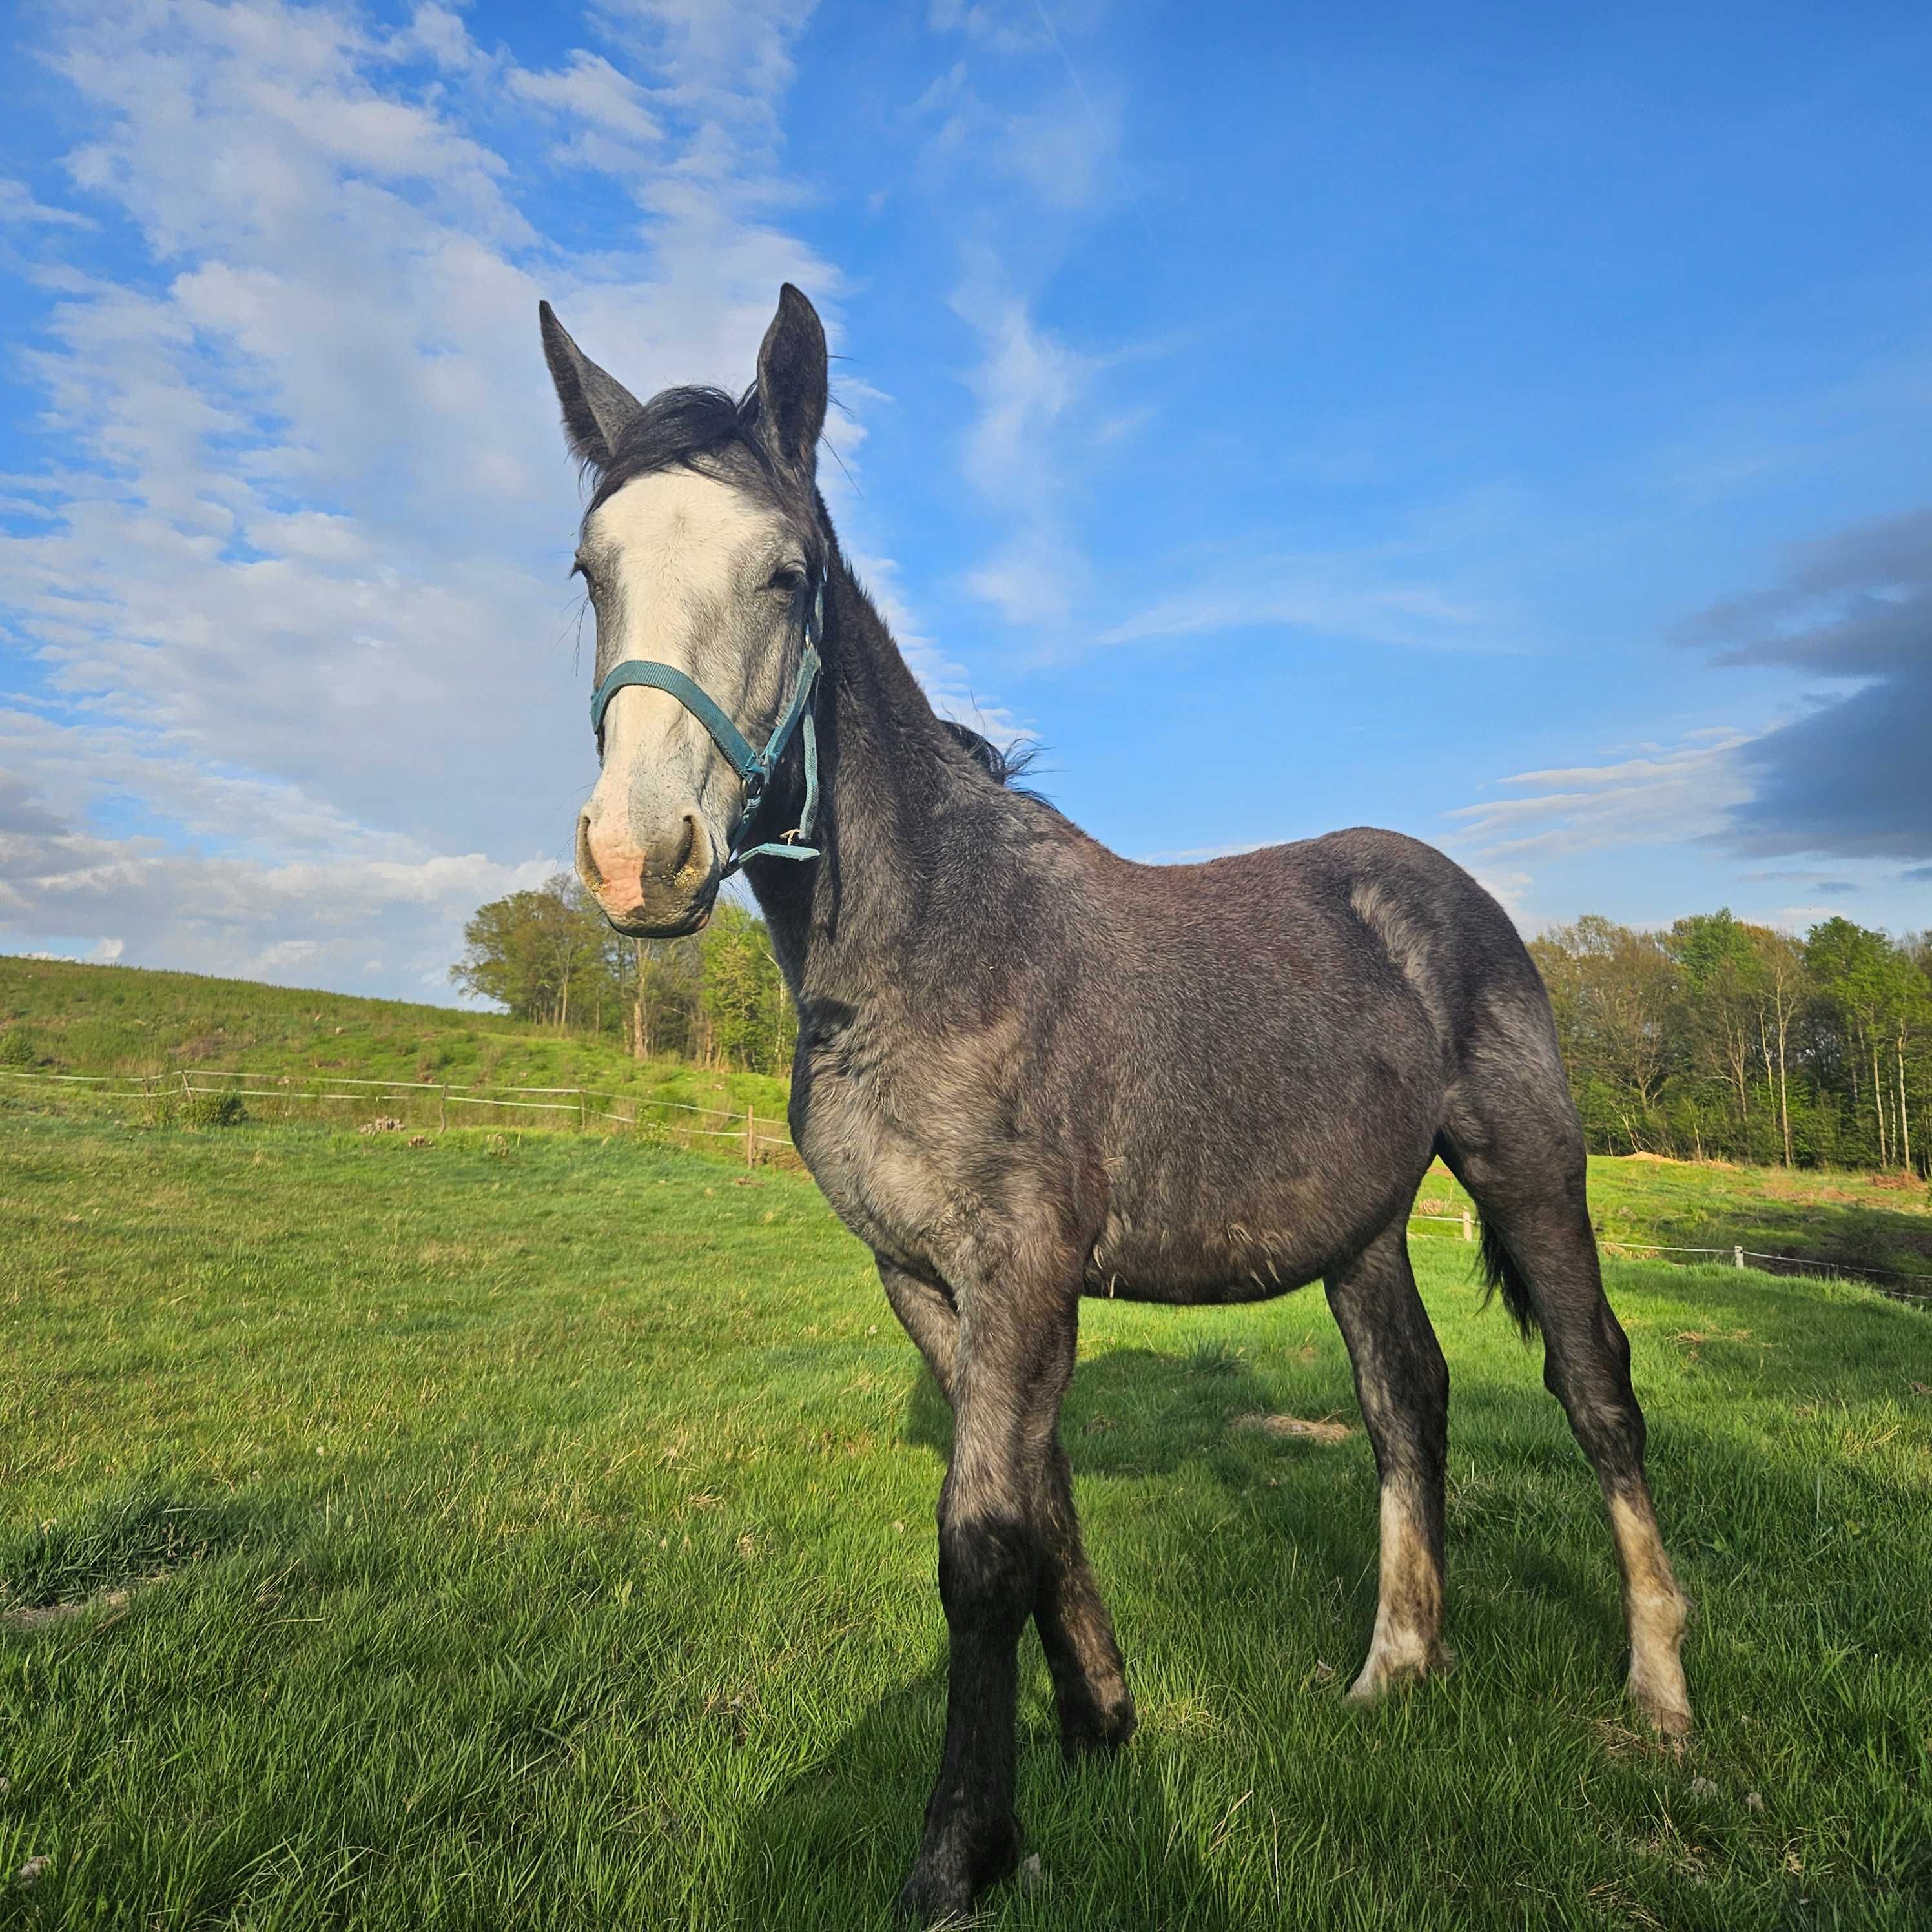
(587, 866)
(687, 846)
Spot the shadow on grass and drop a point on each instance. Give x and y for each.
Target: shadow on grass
(832, 1847)
(143, 1532)
(844, 1832)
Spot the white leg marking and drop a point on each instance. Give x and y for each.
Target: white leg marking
(1408, 1640)
(1656, 1611)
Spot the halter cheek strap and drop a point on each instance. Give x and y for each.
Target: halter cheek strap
(755, 768)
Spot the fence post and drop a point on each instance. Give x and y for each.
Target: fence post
(583, 1118)
(443, 1107)
(751, 1136)
(1738, 1256)
(1468, 1226)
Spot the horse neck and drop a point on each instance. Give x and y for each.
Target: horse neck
(886, 768)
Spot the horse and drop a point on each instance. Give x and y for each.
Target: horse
(1029, 1069)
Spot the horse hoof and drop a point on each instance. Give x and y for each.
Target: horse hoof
(926, 1900)
(950, 1876)
(1092, 1733)
(1662, 1701)
(1670, 1721)
(1380, 1679)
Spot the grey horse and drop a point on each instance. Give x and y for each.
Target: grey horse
(1029, 1069)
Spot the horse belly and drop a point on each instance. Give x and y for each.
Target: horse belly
(1245, 1246)
(1226, 1262)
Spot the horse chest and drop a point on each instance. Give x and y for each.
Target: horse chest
(859, 1134)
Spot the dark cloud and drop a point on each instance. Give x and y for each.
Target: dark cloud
(1920, 875)
(1854, 778)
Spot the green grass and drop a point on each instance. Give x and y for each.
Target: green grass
(544, 1538)
(1830, 1218)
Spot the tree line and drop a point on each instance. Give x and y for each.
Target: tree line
(1715, 1039)
(715, 997)
(1718, 1039)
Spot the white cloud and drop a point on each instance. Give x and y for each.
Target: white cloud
(1337, 596)
(1662, 794)
(294, 580)
(18, 208)
(589, 89)
(1025, 384)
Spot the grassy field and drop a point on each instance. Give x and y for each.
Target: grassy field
(1881, 1222)
(543, 1538)
(59, 1016)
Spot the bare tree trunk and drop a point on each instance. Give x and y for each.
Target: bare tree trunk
(1878, 1106)
(1783, 1090)
(641, 1034)
(1904, 1119)
(1784, 1096)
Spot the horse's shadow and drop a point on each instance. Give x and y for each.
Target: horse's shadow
(849, 1826)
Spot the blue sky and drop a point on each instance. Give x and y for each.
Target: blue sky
(1509, 425)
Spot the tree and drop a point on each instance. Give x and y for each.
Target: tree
(551, 957)
(1855, 972)
(528, 951)
(1781, 992)
(1720, 998)
(1612, 989)
(752, 1025)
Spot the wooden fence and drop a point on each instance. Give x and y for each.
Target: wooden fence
(763, 1140)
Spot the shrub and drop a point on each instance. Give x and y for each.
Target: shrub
(16, 1048)
(216, 1110)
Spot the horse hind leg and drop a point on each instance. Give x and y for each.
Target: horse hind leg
(1402, 1384)
(1539, 1247)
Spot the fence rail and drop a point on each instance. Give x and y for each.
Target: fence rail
(747, 1126)
(749, 1130)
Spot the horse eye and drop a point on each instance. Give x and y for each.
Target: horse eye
(787, 577)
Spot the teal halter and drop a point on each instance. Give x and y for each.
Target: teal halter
(754, 769)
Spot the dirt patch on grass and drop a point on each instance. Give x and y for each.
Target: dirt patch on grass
(31, 1617)
(1263, 1424)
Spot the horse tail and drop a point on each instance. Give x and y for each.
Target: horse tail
(1501, 1272)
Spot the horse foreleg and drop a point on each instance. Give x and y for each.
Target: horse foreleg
(1090, 1679)
(1090, 1685)
(1013, 1359)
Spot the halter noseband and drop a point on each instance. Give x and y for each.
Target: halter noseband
(754, 769)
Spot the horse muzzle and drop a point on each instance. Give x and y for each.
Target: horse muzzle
(661, 890)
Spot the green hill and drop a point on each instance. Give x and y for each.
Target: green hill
(57, 1016)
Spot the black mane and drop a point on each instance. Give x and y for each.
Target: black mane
(1003, 767)
(695, 428)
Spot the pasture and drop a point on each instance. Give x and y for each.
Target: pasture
(540, 1533)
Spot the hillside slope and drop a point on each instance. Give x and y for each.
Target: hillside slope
(58, 1016)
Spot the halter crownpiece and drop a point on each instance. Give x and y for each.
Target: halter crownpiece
(755, 768)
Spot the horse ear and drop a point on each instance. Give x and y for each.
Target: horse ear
(792, 382)
(596, 407)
